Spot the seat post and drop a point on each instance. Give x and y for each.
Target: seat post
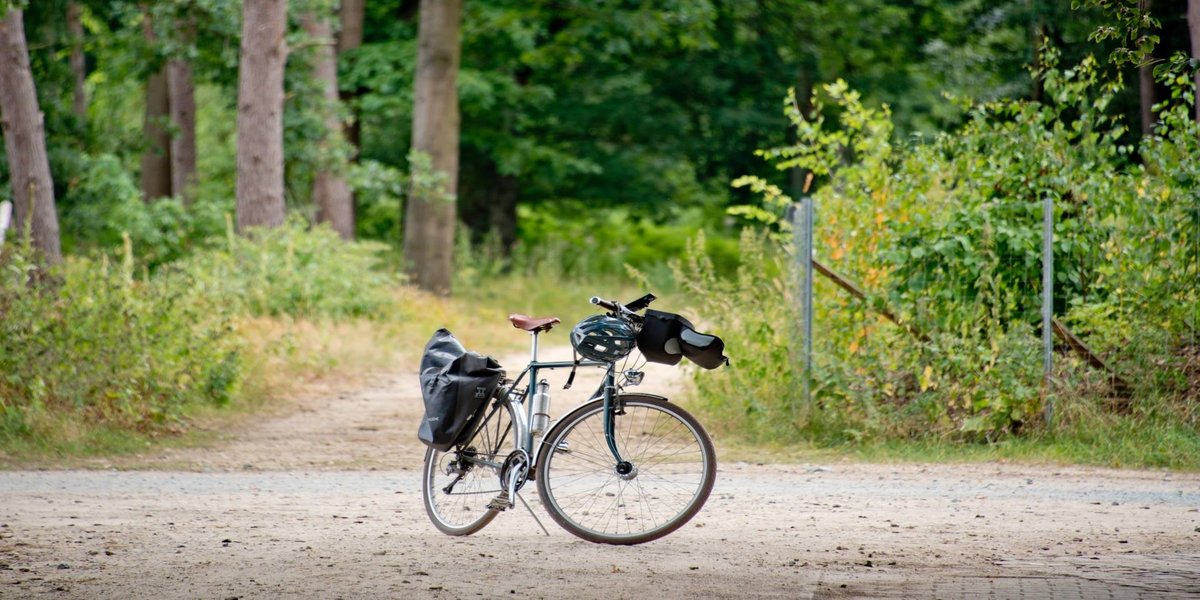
(533, 351)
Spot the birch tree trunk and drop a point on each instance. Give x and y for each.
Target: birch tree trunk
(78, 60)
(25, 142)
(260, 200)
(335, 204)
(156, 158)
(430, 217)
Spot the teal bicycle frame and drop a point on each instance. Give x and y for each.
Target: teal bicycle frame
(607, 389)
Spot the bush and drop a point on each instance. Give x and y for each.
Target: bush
(946, 235)
(98, 344)
(577, 240)
(103, 205)
(293, 270)
(104, 343)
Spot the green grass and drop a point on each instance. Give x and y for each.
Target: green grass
(1127, 443)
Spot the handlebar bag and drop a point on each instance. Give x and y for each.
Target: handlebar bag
(667, 337)
(455, 385)
(705, 350)
(659, 338)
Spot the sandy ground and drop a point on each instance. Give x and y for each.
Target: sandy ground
(323, 501)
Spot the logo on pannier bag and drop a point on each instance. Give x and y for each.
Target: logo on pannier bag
(481, 392)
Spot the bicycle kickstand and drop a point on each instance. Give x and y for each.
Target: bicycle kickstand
(504, 499)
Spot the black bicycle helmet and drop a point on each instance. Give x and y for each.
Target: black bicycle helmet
(603, 338)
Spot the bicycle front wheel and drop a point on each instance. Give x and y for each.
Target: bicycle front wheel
(674, 466)
(458, 484)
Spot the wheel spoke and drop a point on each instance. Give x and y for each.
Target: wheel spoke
(479, 460)
(674, 473)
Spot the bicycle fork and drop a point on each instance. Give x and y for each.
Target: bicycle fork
(612, 408)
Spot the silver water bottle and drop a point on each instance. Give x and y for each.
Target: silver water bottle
(540, 405)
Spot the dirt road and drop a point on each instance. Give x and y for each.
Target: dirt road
(323, 501)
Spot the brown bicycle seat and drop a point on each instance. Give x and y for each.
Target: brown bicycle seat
(532, 324)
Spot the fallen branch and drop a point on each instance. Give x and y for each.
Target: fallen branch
(1076, 344)
(845, 284)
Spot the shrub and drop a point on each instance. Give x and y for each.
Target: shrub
(102, 342)
(293, 270)
(946, 234)
(97, 343)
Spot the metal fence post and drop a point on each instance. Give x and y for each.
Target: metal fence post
(1047, 305)
(802, 228)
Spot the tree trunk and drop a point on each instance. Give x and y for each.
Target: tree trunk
(335, 205)
(430, 218)
(183, 116)
(156, 158)
(78, 61)
(351, 34)
(504, 210)
(805, 80)
(487, 201)
(1193, 18)
(181, 86)
(1146, 95)
(350, 38)
(1146, 85)
(25, 142)
(260, 114)
(1037, 32)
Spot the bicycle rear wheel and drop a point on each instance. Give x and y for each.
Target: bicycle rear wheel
(674, 466)
(457, 485)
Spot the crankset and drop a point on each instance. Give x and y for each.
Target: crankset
(515, 471)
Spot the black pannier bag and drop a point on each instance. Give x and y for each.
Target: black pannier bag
(456, 385)
(667, 337)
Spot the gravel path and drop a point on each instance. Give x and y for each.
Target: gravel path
(323, 501)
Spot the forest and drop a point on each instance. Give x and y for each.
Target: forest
(209, 197)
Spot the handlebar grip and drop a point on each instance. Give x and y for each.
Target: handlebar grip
(608, 304)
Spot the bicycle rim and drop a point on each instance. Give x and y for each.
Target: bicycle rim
(675, 468)
(463, 510)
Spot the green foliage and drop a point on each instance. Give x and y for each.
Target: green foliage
(1129, 23)
(294, 271)
(379, 195)
(577, 242)
(103, 205)
(753, 316)
(105, 346)
(106, 343)
(946, 235)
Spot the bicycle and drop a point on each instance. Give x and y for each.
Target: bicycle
(621, 468)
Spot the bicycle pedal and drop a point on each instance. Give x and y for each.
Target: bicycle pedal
(500, 502)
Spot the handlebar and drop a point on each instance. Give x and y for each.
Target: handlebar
(606, 304)
(629, 310)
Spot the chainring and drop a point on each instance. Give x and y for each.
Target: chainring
(519, 460)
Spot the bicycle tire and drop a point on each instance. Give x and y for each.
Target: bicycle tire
(675, 469)
(463, 510)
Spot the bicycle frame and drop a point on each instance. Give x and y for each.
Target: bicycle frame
(607, 389)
